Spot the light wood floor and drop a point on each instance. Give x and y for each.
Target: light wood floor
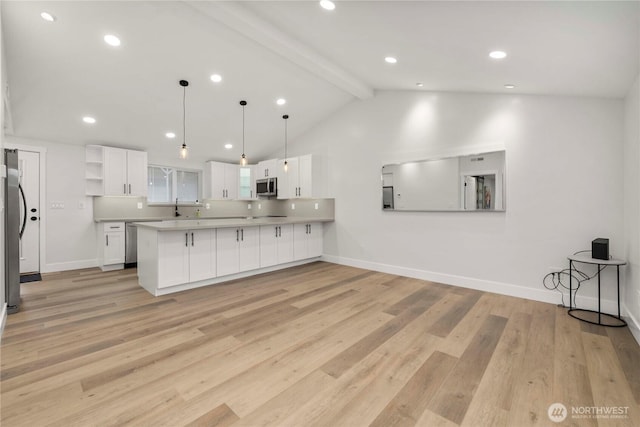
(316, 345)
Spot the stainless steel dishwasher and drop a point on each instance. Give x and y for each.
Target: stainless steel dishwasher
(130, 245)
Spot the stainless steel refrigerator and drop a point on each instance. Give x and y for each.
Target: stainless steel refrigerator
(13, 230)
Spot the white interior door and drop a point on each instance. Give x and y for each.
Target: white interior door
(29, 167)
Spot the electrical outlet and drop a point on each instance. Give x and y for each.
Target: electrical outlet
(207, 206)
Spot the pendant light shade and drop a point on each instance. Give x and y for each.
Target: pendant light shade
(184, 150)
(286, 166)
(243, 158)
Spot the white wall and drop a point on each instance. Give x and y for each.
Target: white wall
(631, 296)
(70, 239)
(564, 181)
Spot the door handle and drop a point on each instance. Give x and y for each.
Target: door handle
(34, 218)
(34, 210)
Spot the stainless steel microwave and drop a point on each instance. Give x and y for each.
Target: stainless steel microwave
(267, 187)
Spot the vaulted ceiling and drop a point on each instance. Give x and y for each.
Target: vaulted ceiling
(318, 60)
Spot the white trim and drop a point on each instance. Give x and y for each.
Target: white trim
(43, 194)
(3, 319)
(70, 265)
(543, 295)
(216, 280)
(632, 322)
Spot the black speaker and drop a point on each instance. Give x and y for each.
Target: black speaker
(600, 248)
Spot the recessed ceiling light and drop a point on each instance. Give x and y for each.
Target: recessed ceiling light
(88, 119)
(47, 16)
(498, 54)
(228, 146)
(111, 40)
(281, 101)
(390, 60)
(216, 78)
(170, 135)
(419, 84)
(327, 4)
(509, 86)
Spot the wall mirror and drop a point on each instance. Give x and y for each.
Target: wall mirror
(468, 183)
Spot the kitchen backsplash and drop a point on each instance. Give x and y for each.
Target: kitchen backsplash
(126, 208)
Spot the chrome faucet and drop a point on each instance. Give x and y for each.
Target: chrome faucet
(177, 213)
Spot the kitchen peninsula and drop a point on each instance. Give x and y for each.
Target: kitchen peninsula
(185, 254)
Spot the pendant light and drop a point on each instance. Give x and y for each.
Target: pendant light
(286, 166)
(243, 159)
(184, 153)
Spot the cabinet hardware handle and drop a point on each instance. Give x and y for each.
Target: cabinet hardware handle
(129, 188)
(242, 234)
(124, 188)
(237, 235)
(114, 226)
(280, 231)
(107, 236)
(223, 194)
(186, 239)
(276, 231)
(191, 239)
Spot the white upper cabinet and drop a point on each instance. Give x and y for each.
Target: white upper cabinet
(297, 181)
(221, 180)
(267, 169)
(137, 173)
(116, 171)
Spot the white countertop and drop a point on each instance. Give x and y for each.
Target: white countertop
(195, 223)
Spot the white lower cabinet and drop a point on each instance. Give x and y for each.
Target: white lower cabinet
(173, 260)
(238, 250)
(111, 250)
(307, 240)
(186, 256)
(276, 244)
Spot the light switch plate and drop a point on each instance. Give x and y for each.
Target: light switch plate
(249, 206)
(207, 206)
(293, 206)
(316, 206)
(259, 205)
(139, 205)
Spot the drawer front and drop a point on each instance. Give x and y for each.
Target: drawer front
(113, 226)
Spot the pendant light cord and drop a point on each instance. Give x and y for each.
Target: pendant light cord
(243, 130)
(285, 137)
(184, 115)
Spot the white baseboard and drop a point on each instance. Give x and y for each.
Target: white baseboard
(542, 294)
(632, 322)
(3, 319)
(72, 265)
